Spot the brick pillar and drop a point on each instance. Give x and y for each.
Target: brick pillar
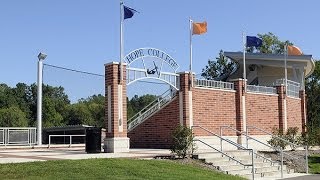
(282, 106)
(116, 109)
(185, 100)
(239, 87)
(302, 96)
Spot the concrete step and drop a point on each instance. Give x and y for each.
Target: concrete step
(270, 168)
(221, 163)
(239, 166)
(239, 153)
(232, 167)
(208, 155)
(276, 173)
(262, 167)
(249, 161)
(268, 174)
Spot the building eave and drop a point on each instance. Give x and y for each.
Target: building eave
(307, 59)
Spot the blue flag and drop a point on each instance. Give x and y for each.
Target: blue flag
(254, 41)
(128, 12)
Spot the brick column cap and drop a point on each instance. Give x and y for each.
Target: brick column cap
(238, 79)
(113, 62)
(186, 72)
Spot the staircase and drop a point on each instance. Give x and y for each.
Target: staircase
(243, 162)
(151, 108)
(263, 167)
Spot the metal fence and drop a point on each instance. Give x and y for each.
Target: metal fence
(69, 137)
(261, 89)
(214, 84)
(293, 87)
(18, 136)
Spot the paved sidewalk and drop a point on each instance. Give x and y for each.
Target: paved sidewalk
(44, 154)
(307, 177)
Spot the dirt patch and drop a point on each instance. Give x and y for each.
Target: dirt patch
(189, 161)
(293, 159)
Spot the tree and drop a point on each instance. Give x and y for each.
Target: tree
(79, 114)
(270, 44)
(137, 103)
(13, 117)
(219, 69)
(96, 106)
(54, 105)
(312, 87)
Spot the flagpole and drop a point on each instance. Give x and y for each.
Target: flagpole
(244, 55)
(285, 66)
(244, 115)
(286, 87)
(190, 66)
(121, 42)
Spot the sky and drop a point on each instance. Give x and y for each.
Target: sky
(84, 34)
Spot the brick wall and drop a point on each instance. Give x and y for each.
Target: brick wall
(294, 115)
(212, 109)
(156, 131)
(262, 112)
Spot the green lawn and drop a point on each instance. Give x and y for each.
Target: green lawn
(314, 164)
(108, 169)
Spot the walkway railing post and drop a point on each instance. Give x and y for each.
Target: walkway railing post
(247, 141)
(49, 141)
(281, 162)
(307, 167)
(252, 164)
(70, 141)
(221, 139)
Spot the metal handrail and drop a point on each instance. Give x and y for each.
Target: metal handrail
(247, 136)
(149, 105)
(141, 116)
(232, 143)
(279, 138)
(261, 89)
(225, 154)
(70, 138)
(214, 84)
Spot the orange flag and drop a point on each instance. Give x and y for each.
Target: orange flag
(294, 50)
(199, 28)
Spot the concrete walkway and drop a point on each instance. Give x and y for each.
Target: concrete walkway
(15, 155)
(307, 177)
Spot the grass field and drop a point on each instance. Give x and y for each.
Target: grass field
(108, 169)
(314, 164)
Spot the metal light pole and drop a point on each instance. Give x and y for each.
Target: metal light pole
(41, 58)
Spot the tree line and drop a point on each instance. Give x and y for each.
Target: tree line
(18, 107)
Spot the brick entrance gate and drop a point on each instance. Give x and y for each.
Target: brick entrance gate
(210, 104)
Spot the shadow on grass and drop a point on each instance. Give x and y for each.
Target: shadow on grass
(314, 159)
(314, 164)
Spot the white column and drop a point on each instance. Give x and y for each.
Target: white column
(181, 108)
(109, 109)
(120, 108)
(285, 123)
(190, 110)
(39, 102)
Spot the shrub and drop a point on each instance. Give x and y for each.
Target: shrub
(182, 141)
(311, 137)
(276, 142)
(292, 136)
